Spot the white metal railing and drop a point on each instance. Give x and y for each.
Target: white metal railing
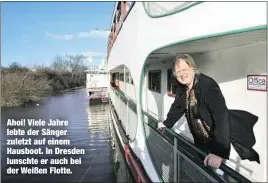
(182, 157)
(175, 159)
(126, 111)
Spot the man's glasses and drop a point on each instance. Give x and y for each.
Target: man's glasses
(183, 71)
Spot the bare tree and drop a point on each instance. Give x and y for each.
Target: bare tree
(76, 62)
(14, 65)
(77, 65)
(60, 63)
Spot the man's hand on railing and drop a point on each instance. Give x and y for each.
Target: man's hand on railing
(160, 126)
(213, 160)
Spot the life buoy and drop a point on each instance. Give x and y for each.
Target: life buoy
(92, 85)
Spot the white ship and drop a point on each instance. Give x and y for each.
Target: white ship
(97, 83)
(228, 42)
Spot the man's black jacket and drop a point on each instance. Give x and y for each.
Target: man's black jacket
(228, 126)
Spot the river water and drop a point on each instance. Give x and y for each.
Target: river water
(88, 128)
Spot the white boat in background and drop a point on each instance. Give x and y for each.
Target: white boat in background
(97, 83)
(228, 42)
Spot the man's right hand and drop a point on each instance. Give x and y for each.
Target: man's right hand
(160, 126)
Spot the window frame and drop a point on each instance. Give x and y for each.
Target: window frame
(127, 77)
(171, 83)
(116, 76)
(121, 77)
(149, 80)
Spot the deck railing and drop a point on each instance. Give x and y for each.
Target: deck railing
(126, 111)
(186, 157)
(175, 158)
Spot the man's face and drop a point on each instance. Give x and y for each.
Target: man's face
(184, 73)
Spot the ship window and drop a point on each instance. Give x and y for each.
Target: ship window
(127, 78)
(130, 81)
(160, 9)
(119, 16)
(154, 80)
(117, 76)
(121, 77)
(171, 83)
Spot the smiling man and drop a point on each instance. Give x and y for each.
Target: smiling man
(211, 123)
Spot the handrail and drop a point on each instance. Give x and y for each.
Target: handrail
(119, 93)
(223, 167)
(125, 112)
(235, 175)
(123, 95)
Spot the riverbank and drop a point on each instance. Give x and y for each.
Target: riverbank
(20, 86)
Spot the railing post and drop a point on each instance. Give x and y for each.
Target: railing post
(175, 160)
(125, 86)
(119, 107)
(127, 132)
(114, 96)
(118, 104)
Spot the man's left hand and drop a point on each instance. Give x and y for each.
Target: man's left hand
(213, 160)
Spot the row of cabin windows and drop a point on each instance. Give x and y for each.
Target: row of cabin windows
(120, 77)
(154, 81)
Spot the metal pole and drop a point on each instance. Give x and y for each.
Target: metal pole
(127, 132)
(119, 111)
(125, 79)
(175, 160)
(146, 80)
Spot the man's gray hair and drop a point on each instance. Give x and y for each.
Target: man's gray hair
(188, 59)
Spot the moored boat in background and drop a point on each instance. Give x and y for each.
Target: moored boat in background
(97, 83)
